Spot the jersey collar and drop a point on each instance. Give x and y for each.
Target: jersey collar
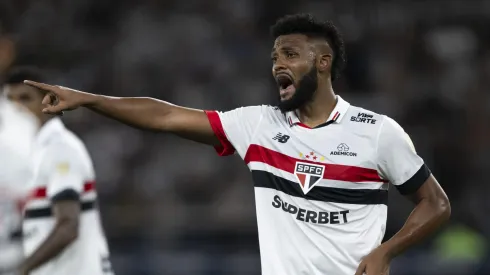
(335, 116)
(48, 129)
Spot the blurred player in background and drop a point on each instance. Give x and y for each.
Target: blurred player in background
(17, 129)
(62, 233)
(321, 167)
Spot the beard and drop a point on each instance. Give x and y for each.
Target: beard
(304, 92)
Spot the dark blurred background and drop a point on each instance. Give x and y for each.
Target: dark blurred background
(173, 207)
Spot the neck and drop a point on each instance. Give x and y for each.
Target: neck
(44, 119)
(319, 109)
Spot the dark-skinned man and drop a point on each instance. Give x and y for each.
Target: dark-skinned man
(321, 167)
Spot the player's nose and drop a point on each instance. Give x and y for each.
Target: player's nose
(278, 67)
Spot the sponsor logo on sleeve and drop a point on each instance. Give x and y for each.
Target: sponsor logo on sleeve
(363, 118)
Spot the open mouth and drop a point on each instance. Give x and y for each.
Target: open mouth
(283, 81)
(285, 84)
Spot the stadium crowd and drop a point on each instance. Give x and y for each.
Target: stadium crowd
(171, 206)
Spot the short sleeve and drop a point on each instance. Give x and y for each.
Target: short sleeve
(236, 128)
(397, 159)
(64, 173)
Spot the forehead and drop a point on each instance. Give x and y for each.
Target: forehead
(290, 40)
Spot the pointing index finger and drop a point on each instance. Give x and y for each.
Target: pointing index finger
(41, 86)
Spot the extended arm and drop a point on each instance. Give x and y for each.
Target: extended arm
(63, 234)
(140, 112)
(155, 115)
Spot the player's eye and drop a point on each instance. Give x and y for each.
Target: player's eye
(273, 59)
(291, 54)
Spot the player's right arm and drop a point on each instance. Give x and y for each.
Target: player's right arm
(140, 112)
(65, 181)
(65, 231)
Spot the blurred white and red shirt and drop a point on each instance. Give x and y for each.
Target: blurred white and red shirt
(17, 130)
(321, 193)
(63, 170)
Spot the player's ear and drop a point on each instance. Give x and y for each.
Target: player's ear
(324, 61)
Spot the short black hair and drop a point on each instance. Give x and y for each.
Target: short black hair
(17, 75)
(306, 24)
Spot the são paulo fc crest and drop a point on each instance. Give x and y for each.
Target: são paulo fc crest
(308, 174)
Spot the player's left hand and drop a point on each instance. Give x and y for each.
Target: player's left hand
(375, 263)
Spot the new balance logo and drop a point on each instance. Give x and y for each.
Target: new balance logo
(343, 150)
(281, 138)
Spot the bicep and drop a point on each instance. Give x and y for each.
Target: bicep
(430, 190)
(67, 211)
(192, 124)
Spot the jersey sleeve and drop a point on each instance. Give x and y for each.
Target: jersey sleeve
(236, 128)
(64, 173)
(397, 159)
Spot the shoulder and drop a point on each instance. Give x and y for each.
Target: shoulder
(253, 113)
(64, 145)
(257, 109)
(363, 121)
(361, 116)
(65, 139)
(367, 122)
(382, 129)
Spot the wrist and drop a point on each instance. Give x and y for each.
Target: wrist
(387, 250)
(90, 99)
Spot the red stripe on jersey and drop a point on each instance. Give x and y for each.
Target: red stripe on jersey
(257, 153)
(226, 148)
(41, 192)
(336, 116)
(89, 186)
(301, 124)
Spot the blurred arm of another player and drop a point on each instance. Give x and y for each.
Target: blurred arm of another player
(140, 112)
(399, 162)
(64, 188)
(66, 213)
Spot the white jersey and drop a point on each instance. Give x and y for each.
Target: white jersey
(17, 130)
(63, 170)
(321, 194)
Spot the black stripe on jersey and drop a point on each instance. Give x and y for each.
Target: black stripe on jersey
(66, 195)
(413, 184)
(47, 211)
(324, 124)
(320, 193)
